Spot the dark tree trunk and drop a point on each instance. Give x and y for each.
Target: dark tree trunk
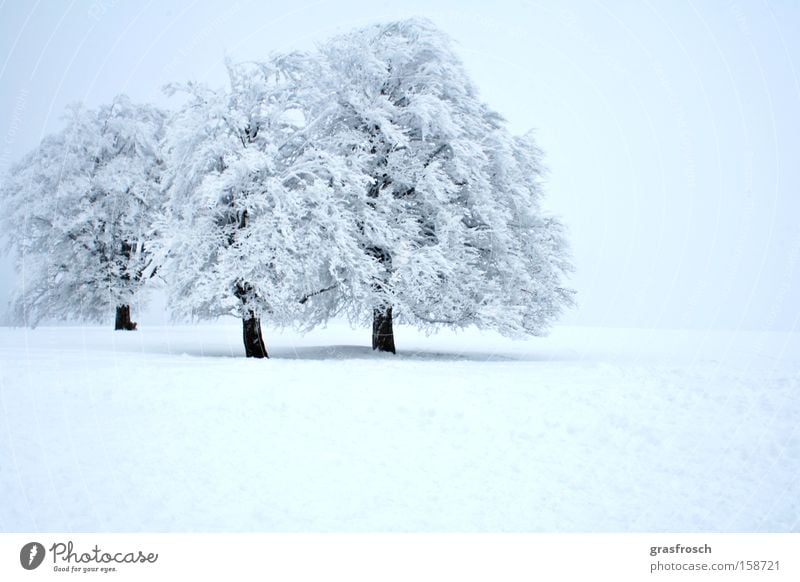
(123, 319)
(254, 346)
(382, 331)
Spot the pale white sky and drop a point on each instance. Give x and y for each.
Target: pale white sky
(671, 129)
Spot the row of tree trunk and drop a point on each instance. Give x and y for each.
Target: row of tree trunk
(382, 334)
(256, 347)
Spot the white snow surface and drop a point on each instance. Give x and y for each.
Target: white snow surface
(591, 430)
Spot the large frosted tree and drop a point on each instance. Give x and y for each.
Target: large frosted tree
(78, 212)
(254, 214)
(451, 221)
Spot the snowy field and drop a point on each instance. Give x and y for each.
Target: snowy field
(171, 429)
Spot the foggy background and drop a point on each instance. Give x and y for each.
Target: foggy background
(671, 129)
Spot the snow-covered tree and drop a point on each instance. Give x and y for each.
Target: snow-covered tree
(256, 228)
(451, 220)
(79, 211)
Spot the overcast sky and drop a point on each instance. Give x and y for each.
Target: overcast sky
(671, 129)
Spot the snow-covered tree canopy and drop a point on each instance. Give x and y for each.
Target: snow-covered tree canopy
(253, 214)
(365, 178)
(79, 212)
(452, 218)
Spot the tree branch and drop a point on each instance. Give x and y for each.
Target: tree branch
(321, 291)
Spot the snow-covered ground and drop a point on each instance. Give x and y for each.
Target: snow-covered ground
(171, 429)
